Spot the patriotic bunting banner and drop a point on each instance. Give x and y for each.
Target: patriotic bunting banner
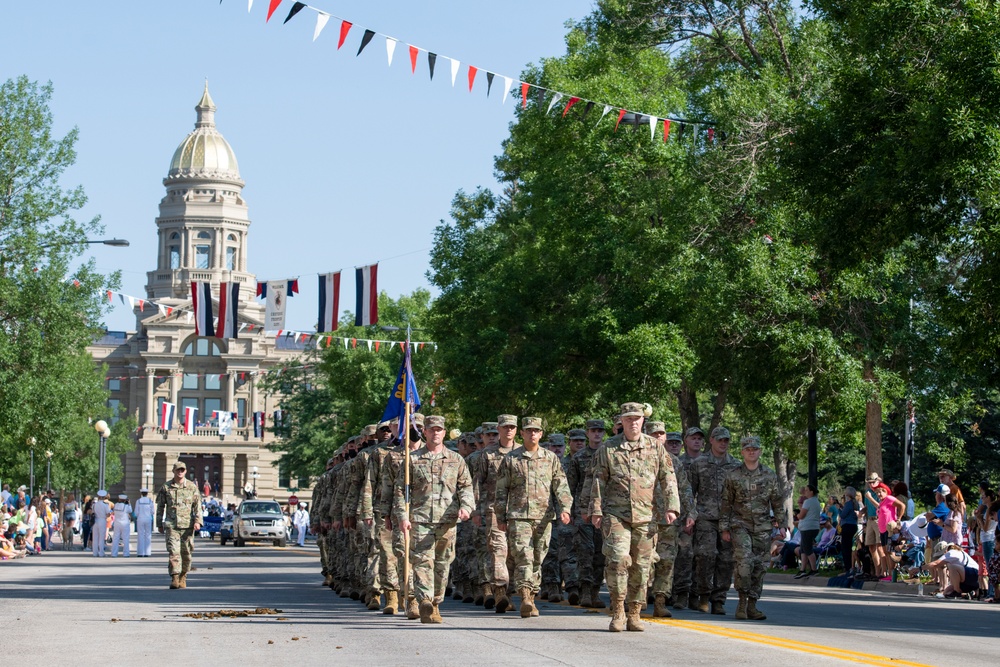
(167, 411)
(201, 301)
(229, 304)
(258, 424)
(329, 301)
(225, 421)
(275, 294)
(366, 312)
(190, 420)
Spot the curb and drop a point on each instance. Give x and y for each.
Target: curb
(819, 581)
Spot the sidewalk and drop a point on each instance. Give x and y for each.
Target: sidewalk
(820, 581)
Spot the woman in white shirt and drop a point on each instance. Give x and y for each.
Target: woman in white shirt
(961, 570)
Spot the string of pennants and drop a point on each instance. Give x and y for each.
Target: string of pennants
(566, 101)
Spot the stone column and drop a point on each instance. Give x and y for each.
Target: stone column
(230, 485)
(253, 393)
(230, 391)
(174, 382)
(148, 481)
(150, 419)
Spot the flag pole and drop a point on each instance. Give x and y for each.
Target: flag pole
(406, 473)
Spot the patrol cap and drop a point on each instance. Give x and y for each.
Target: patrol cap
(694, 430)
(507, 420)
(531, 423)
(595, 423)
(143, 490)
(656, 427)
(632, 410)
(384, 425)
(558, 439)
(674, 436)
(370, 429)
(434, 421)
(418, 419)
(178, 465)
(720, 432)
(577, 434)
(750, 442)
(478, 432)
(488, 427)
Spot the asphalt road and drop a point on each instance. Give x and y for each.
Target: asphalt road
(69, 606)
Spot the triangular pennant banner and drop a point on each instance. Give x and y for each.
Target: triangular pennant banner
(555, 100)
(489, 82)
(321, 21)
(621, 114)
(454, 71)
(569, 105)
(345, 27)
(431, 60)
(666, 129)
(414, 52)
(345, 343)
(652, 127)
(390, 48)
(270, 10)
(111, 298)
(711, 135)
(354, 343)
(365, 38)
(296, 8)
(376, 344)
(586, 110)
(524, 94)
(369, 345)
(472, 75)
(507, 83)
(607, 110)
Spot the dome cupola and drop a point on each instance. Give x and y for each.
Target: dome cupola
(204, 153)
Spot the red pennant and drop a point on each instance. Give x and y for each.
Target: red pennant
(524, 94)
(142, 304)
(110, 299)
(345, 27)
(711, 134)
(76, 283)
(270, 10)
(250, 327)
(279, 333)
(243, 377)
(666, 129)
(169, 311)
(354, 343)
(472, 75)
(328, 340)
(377, 343)
(402, 346)
(421, 346)
(569, 105)
(621, 114)
(413, 59)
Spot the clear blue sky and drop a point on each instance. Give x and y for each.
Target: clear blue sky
(346, 160)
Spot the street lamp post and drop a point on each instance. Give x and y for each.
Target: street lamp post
(149, 476)
(30, 441)
(48, 469)
(102, 429)
(254, 474)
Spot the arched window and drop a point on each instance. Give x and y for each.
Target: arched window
(232, 237)
(174, 236)
(204, 235)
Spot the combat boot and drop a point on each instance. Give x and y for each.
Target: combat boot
(544, 593)
(556, 594)
(458, 594)
(391, 603)
(412, 608)
(490, 600)
(573, 595)
(534, 607)
(480, 598)
(436, 614)
(375, 601)
(741, 608)
(448, 590)
(634, 624)
(175, 581)
(426, 612)
(355, 594)
(182, 580)
(718, 608)
(617, 614)
(469, 592)
(680, 601)
(345, 592)
(327, 580)
(525, 602)
(502, 599)
(753, 613)
(585, 599)
(703, 604)
(650, 596)
(660, 609)
(595, 597)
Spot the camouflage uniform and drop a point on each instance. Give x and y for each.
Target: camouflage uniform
(320, 511)
(392, 473)
(499, 559)
(480, 546)
(525, 485)
(385, 575)
(625, 476)
(440, 486)
(365, 561)
(752, 504)
(589, 542)
(713, 556)
(560, 564)
(338, 543)
(684, 560)
(182, 503)
(666, 536)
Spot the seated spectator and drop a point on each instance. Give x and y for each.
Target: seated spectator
(788, 556)
(7, 548)
(827, 534)
(959, 570)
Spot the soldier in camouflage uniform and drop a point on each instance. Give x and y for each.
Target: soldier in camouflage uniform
(500, 559)
(662, 578)
(365, 561)
(178, 514)
(486, 435)
(317, 518)
(561, 556)
(530, 477)
(627, 469)
(713, 556)
(694, 441)
(392, 472)
(440, 497)
(589, 541)
(342, 543)
(464, 564)
(385, 568)
(752, 505)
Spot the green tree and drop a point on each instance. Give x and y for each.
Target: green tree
(49, 386)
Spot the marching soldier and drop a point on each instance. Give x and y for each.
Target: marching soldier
(694, 441)
(392, 472)
(589, 541)
(178, 514)
(486, 435)
(385, 574)
(499, 558)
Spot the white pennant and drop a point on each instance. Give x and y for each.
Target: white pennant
(555, 100)
(249, 5)
(345, 343)
(243, 325)
(131, 302)
(321, 20)
(652, 127)
(507, 82)
(189, 316)
(163, 310)
(369, 345)
(605, 113)
(454, 71)
(390, 48)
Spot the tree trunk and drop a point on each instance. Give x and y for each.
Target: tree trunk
(873, 424)
(720, 404)
(687, 405)
(785, 469)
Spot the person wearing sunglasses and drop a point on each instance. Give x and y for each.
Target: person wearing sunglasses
(178, 516)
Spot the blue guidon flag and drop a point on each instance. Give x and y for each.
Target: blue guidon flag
(201, 301)
(404, 391)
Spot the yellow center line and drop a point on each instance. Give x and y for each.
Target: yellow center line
(790, 644)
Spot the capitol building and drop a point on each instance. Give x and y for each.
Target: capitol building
(203, 229)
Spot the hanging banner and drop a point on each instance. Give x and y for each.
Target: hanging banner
(366, 312)
(225, 422)
(229, 304)
(329, 301)
(167, 411)
(201, 300)
(258, 424)
(275, 293)
(190, 417)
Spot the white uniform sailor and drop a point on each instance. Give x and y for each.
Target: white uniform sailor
(99, 531)
(145, 508)
(122, 526)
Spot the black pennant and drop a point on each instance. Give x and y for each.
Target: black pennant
(296, 8)
(541, 97)
(586, 110)
(367, 37)
(431, 59)
(489, 82)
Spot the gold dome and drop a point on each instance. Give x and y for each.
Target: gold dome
(204, 153)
